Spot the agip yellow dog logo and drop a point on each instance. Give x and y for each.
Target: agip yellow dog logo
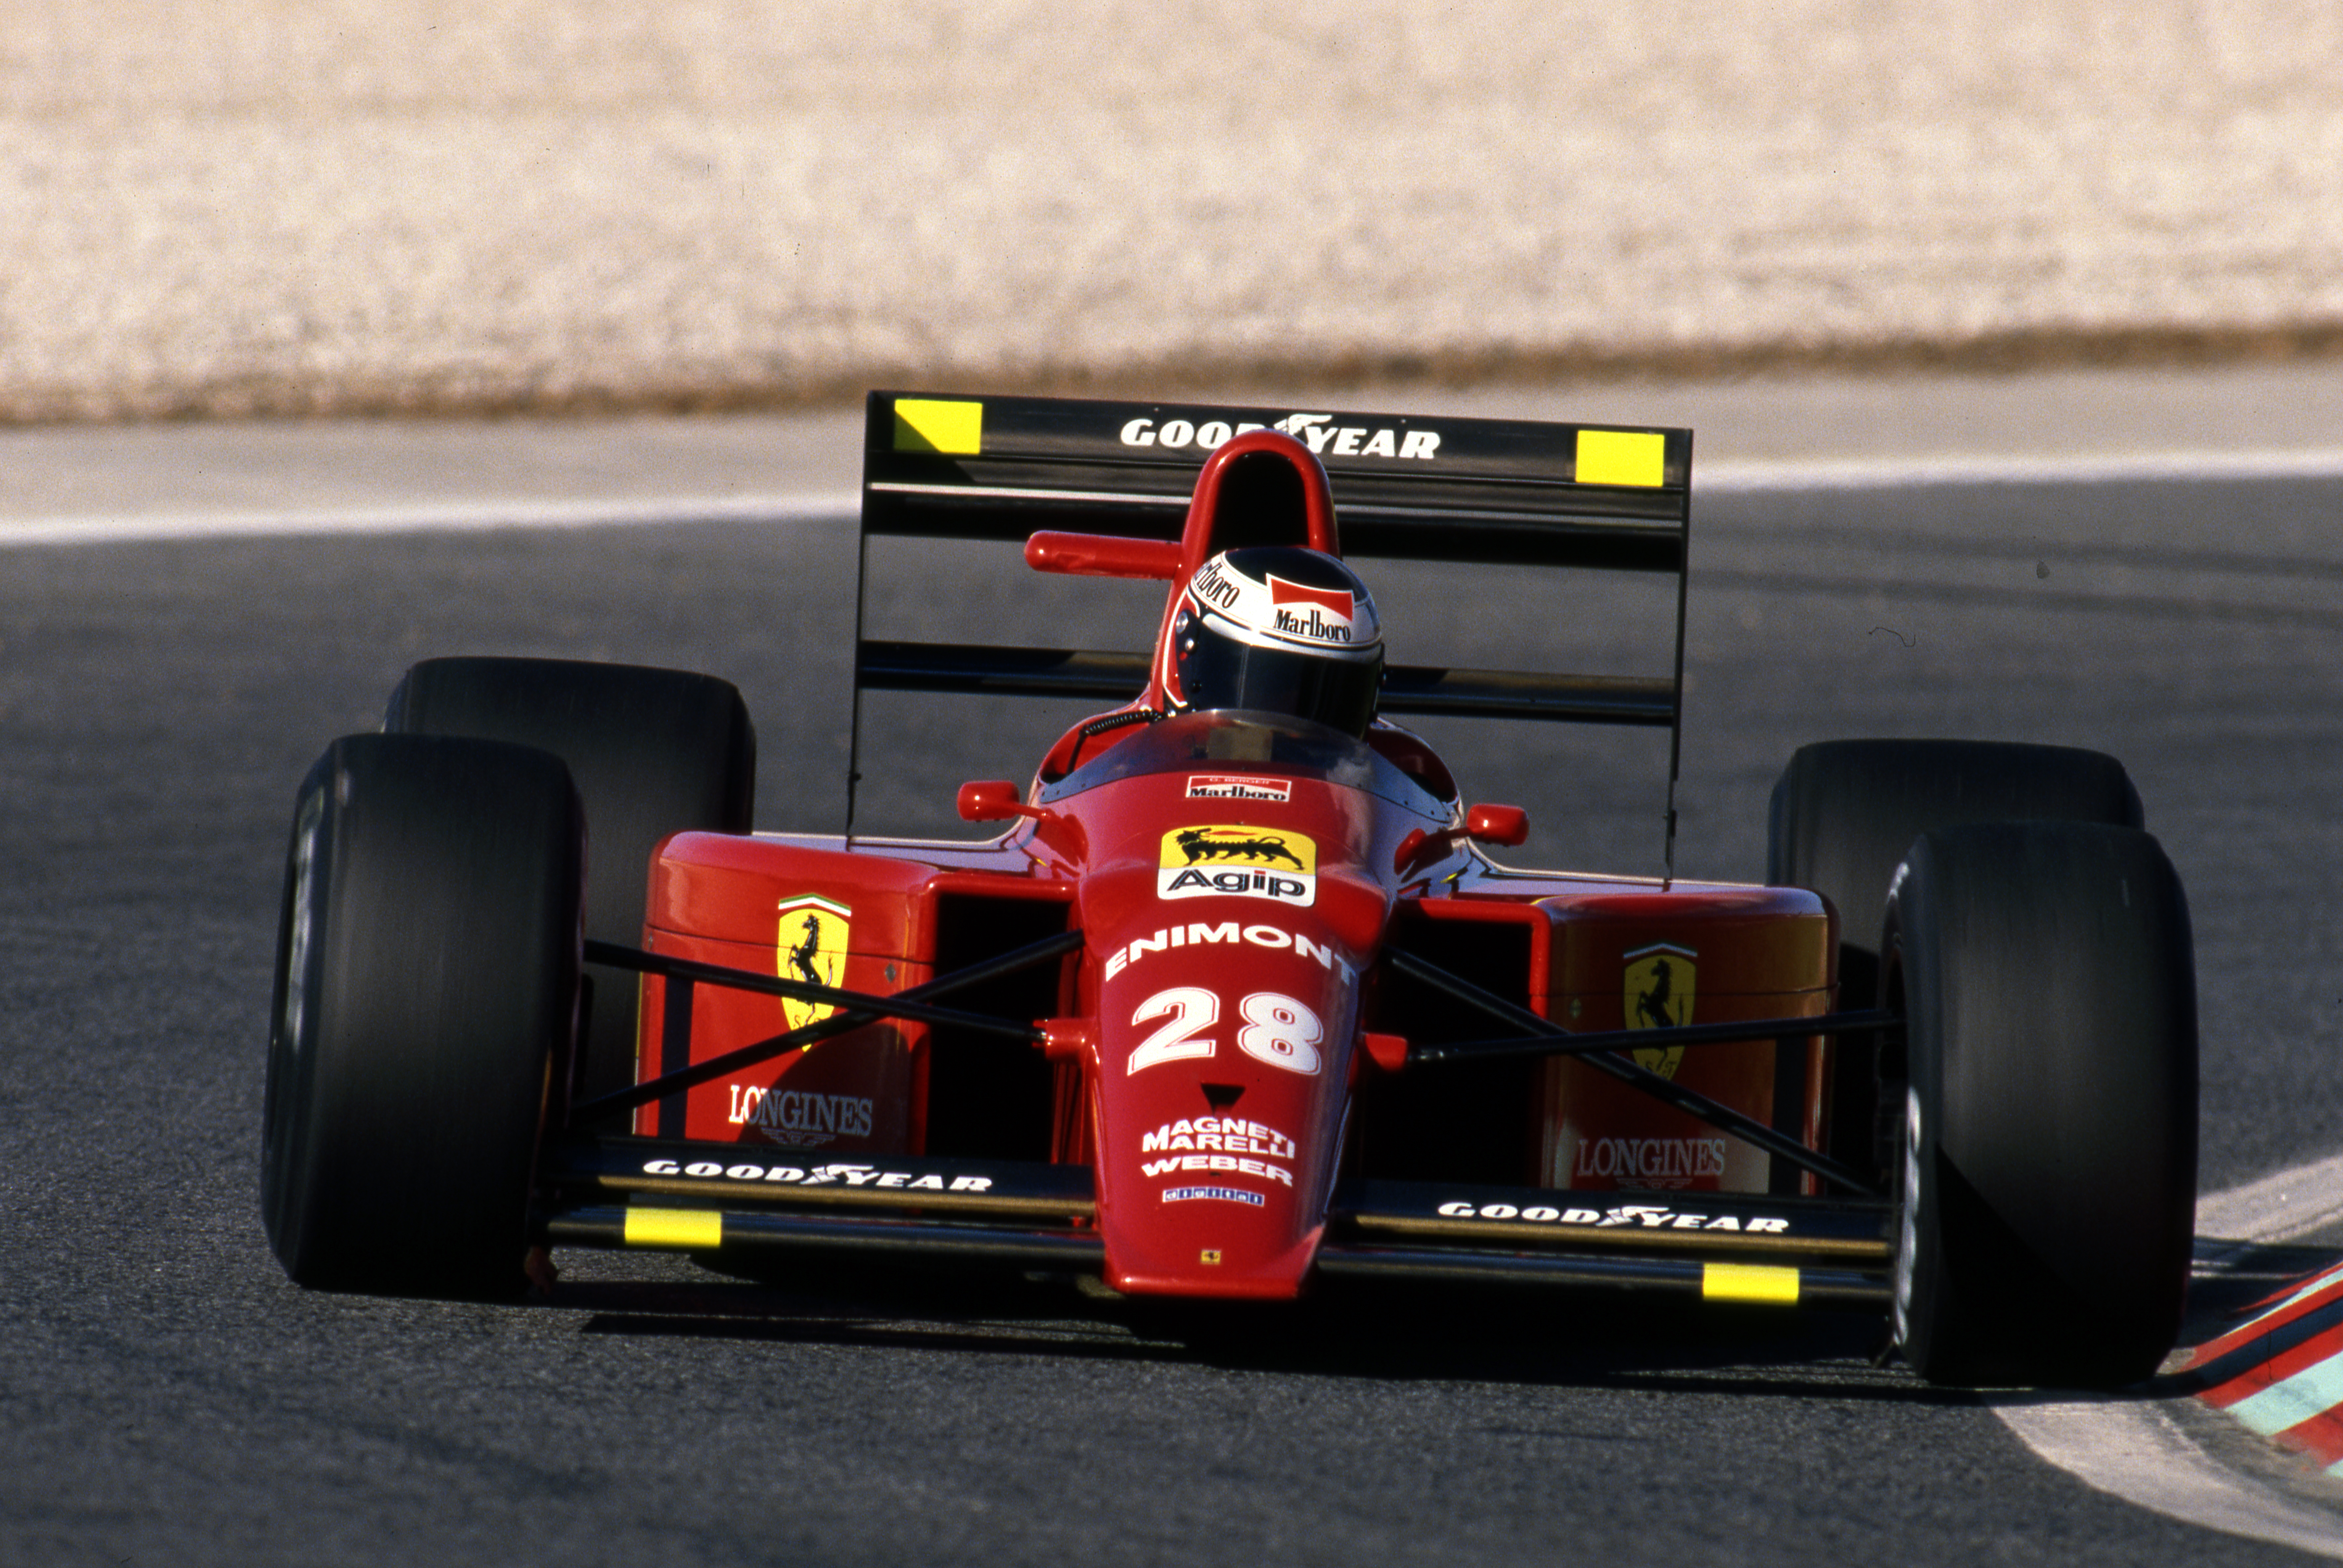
(812, 949)
(1230, 860)
(1659, 996)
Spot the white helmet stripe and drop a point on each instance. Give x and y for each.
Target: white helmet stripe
(1272, 611)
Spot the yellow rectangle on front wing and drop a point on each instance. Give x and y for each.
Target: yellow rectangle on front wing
(694, 1230)
(1749, 1282)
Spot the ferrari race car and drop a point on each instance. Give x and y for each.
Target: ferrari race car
(1237, 1002)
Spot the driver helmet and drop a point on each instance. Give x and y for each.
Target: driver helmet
(1277, 628)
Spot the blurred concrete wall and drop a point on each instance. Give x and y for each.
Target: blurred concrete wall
(235, 205)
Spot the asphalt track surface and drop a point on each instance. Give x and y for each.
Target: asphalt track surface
(167, 1396)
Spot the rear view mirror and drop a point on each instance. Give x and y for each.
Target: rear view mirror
(1506, 825)
(991, 800)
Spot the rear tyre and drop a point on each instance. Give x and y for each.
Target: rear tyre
(2049, 1160)
(653, 752)
(427, 992)
(1844, 811)
(1842, 815)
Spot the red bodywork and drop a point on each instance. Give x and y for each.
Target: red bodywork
(1235, 883)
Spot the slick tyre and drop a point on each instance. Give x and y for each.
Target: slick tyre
(1844, 812)
(2049, 1159)
(427, 988)
(653, 752)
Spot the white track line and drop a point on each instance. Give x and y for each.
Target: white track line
(428, 518)
(2276, 1207)
(2078, 469)
(2140, 1455)
(1714, 478)
(2135, 1451)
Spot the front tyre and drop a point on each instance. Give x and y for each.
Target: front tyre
(2049, 1160)
(427, 992)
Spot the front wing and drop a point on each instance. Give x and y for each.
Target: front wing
(736, 1202)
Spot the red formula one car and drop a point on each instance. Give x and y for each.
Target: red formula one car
(1237, 1002)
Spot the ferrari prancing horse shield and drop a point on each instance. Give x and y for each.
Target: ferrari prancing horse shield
(1659, 996)
(812, 949)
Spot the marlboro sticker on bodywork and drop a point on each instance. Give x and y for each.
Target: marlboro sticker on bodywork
(1238, 787)
(812, 949)
(1226, 860)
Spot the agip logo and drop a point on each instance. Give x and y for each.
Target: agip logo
(1236, 861)
(812, 949)
(1659, 990)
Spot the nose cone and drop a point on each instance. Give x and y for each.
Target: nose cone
(1213, 1203)
(1224, 923)
(1225, 1036)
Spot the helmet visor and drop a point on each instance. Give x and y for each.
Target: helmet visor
(1218, 671)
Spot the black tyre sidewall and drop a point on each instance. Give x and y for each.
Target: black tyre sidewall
(284, 1123)
(427, 988)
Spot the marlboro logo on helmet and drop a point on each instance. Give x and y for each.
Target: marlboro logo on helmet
(1311, 614)
(1277, 628)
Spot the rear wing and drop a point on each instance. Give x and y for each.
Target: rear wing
(1508, 492)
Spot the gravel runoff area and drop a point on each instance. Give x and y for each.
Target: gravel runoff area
(371, 206)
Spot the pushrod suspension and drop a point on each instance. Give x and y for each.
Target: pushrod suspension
(900, 1005)
(1700, 1106)
(1724, 1034)
(857, 1008)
